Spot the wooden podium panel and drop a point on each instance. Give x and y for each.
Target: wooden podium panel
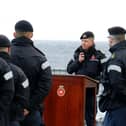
(65, 105)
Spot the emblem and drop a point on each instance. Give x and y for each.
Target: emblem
(93, 57)
(84, 36)
(61, 91)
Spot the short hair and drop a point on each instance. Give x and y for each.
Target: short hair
(23, 26)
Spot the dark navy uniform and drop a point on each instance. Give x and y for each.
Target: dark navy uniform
(92, 67)
(21, 97)
(113, 99)
(36, 67)
(115, 76)
(6, 92)
(115, 80)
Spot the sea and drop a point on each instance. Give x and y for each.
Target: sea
(59, 53)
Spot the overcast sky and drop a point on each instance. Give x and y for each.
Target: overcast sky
(63, 19)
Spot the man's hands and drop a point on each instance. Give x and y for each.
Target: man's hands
(26, 112)
(81, 57)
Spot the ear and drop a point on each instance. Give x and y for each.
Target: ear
(9, 49)
(31, 34)
(28, 35)
(14, 34)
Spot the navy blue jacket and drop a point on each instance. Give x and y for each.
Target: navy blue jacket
(21, 97)
(114, 77)
(6, 92)
(91, 66)
(36, 67)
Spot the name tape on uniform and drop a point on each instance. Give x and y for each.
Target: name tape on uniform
(45, 65)
(8, 75)
(25, 84)
(114, 68)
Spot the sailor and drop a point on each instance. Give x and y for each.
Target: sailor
(114, 95)
(87, 61)
(21, 84)
(35, 65)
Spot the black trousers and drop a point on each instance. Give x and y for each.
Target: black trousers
(90, 107)
(33, 119)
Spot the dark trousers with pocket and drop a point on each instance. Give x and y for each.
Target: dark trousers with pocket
(33, 119)
(115, 117)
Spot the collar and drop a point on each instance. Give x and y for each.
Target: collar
(88, 53)
(5, 56)
(118, 46)
(22, 41)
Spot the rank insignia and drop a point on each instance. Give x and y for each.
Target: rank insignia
(113, 56)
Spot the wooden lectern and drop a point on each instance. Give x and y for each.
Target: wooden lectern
(65, 105)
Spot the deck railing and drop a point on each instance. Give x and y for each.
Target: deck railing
(59, 72)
